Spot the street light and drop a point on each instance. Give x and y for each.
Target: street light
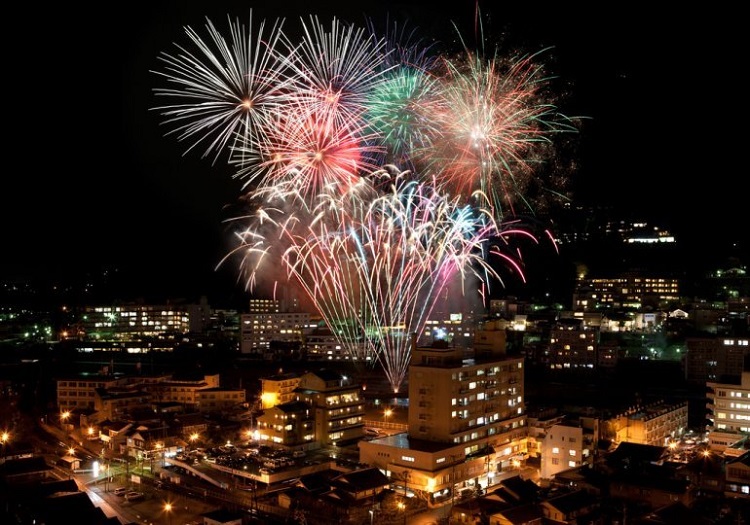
(4, 437)
(372, 515)
(168, 511)
(387, 414)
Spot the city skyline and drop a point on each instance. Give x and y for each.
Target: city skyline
(160, 211)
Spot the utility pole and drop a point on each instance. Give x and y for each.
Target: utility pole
(407, 474)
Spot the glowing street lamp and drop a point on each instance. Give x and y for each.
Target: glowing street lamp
(387, 414)
(168, 511)
(4, 437)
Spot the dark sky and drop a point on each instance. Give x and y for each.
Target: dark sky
(91, 179)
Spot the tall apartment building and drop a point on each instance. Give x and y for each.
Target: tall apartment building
(466, 423)
(728, 412)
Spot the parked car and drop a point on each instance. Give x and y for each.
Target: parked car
(134, 496)
(120, 491)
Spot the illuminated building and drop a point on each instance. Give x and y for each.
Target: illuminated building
(573, 346)
(567, 445)
(278, 389)
(629, 291)
(654, 424)
(466, 423)
(323, 407)
(337, 403)
(134, 322)
(259, 329)
(728, 412)
(288, 424)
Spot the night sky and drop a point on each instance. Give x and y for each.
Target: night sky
(91, 179)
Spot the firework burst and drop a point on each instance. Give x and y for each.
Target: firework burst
(308, 126)
(494, 125)
(335, 68)
(225, 91)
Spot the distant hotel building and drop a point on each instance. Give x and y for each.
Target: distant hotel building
(627, 291)
(144, 328)
(133, 322)
(456, 328)
(271, 321)
(258, 330)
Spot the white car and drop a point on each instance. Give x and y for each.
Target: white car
(134, 496)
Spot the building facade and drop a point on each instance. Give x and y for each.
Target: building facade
(709, 359)
(655, 424)
(466, 423)
(728, 413)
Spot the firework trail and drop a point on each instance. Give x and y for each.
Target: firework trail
(376, 262)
